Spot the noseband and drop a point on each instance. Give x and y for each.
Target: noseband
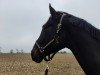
(56, 36)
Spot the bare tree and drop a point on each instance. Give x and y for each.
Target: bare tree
(17, 50)
(22, 51)
(11, 51)
(0, 49)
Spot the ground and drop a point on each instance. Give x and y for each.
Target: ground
(22, 64)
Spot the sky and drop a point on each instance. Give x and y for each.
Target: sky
(21, 20)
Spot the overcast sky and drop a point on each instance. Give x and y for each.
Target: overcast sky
(21, 20)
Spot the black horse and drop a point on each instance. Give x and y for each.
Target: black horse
(65, 30)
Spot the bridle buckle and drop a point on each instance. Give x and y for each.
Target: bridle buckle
(41, 49)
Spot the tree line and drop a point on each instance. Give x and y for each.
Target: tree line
(12, 51)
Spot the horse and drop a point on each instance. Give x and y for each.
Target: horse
(64, 30)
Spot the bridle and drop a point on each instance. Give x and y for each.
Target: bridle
(55, 38)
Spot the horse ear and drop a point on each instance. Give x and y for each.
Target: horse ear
(52, 11)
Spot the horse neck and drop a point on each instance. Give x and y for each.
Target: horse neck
(86, 50)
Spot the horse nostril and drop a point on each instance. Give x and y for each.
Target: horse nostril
(32, 56)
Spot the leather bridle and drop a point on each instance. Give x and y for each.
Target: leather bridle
(56, 36)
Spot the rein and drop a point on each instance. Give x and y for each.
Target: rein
(56, 36)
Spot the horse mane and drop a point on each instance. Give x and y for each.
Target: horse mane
(81, 23)
(89, 28)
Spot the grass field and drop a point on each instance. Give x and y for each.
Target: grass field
(21, 64)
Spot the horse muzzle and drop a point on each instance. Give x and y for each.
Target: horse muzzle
(35, 55)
